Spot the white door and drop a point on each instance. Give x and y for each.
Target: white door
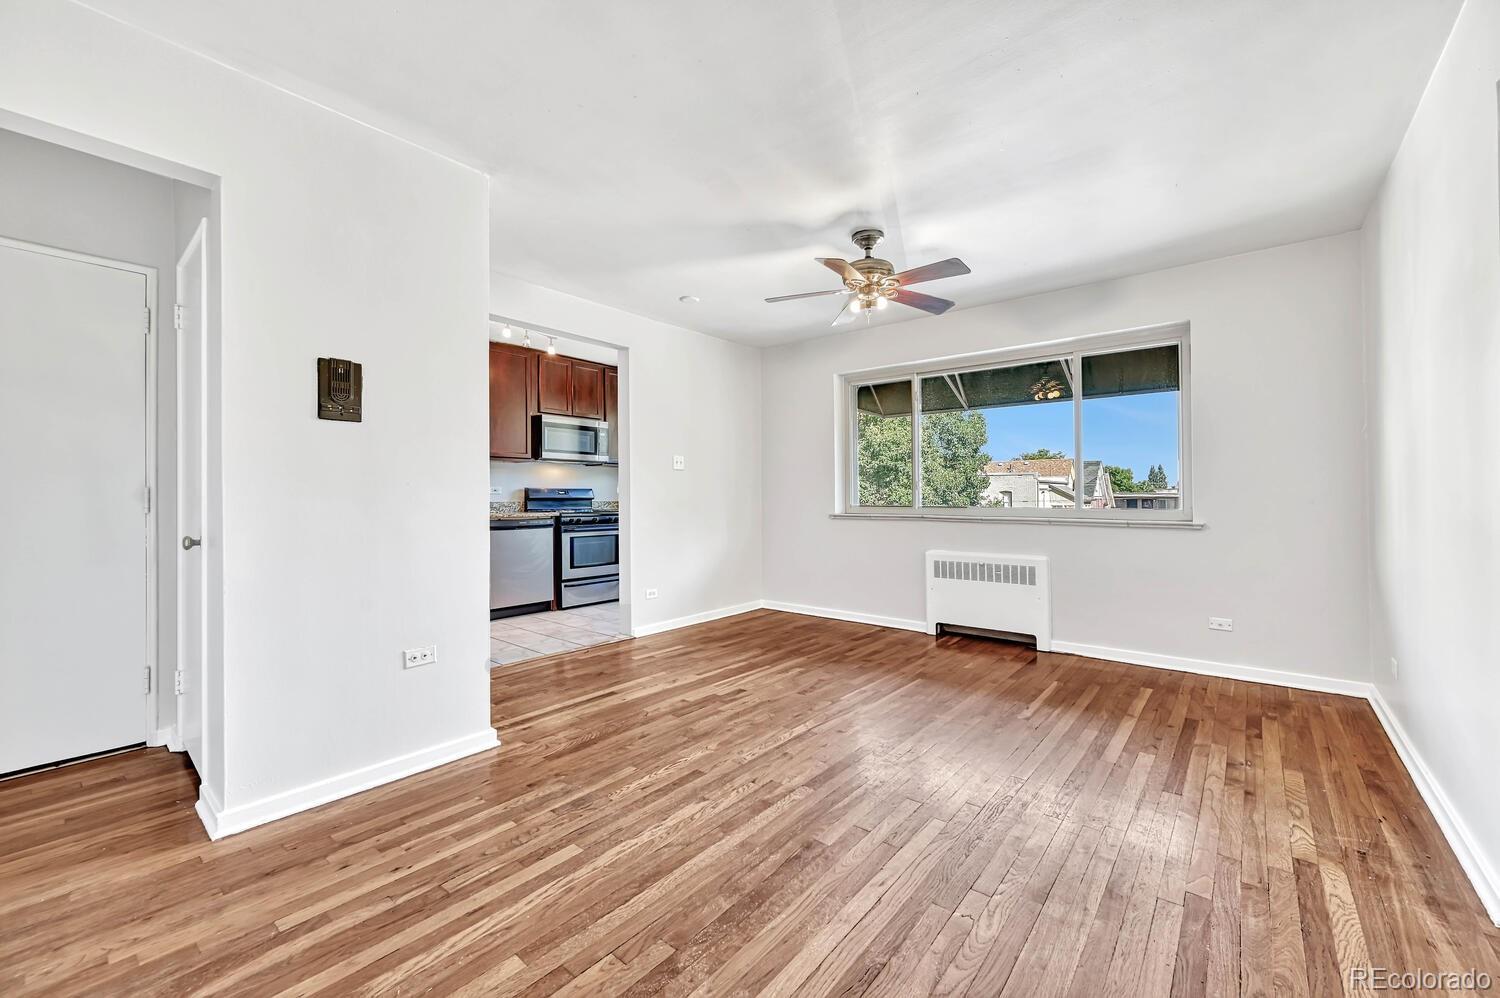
(192, 309)
(72, 507)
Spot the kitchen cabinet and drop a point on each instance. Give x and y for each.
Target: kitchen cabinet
(612, 409)
(513, 385)
(554, 381)
(526, 382)
(588, 390)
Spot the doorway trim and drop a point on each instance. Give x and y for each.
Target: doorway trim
(198, 242)
(152, 652)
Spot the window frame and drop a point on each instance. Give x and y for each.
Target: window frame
(1071, 353)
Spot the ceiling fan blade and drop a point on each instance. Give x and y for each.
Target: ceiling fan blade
(952, 267)
(927, 303)
(811, 294)
(847, 316)
(842, 268)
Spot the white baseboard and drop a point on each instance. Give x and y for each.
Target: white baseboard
(849, 615)
(220, 821)
(695, 618)
(1226, 670)
(1480, 868)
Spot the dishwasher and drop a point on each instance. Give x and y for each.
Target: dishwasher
(521, 566)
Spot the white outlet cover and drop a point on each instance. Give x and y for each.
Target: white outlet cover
(678, 462)
(1220, 624)
(651, 594)
(420, 656)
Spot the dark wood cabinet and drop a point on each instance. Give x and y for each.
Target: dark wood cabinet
(588, 390)
(512, 400)
(612, 409)
(612, 396)
(525, 382)
(554, 383)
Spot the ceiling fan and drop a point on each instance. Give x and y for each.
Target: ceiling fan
(870, 282)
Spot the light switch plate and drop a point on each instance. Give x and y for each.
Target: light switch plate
(651, 594)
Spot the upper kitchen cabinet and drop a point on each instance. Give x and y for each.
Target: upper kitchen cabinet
(588, 390)
(612, 396)
(554, 382)
(612, 409)
(513, 385)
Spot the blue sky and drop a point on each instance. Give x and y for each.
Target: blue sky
(1132, 431)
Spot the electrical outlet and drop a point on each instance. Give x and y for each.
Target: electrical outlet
(420, 656)
(1395, 668)
(651, 594)
(678, 462)
(1220, 624)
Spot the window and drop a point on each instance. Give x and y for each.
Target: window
(1094, 429)
(1021, 414)
(883, 444)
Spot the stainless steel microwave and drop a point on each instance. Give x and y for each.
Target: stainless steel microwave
(570, 438)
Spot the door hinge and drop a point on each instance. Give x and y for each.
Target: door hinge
(148, 679)
(176, 316)
(177, 681)
(147, 330)
(148, 500)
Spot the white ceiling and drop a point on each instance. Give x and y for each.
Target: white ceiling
(643, 151)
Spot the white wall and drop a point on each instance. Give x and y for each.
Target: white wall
(339, 544)
(695, 534)
(1432, 266)
(1275, 376)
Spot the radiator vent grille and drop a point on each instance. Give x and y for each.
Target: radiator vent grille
(1003, 573)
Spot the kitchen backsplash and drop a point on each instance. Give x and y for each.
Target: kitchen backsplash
(509, 479)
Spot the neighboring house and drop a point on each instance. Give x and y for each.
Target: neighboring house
(1045, 484)
(1160, 499)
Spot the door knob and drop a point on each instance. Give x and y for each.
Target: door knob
(188, 543)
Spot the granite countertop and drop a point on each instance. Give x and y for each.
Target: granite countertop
(513, 510)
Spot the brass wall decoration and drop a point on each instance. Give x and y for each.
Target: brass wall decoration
(340, 388)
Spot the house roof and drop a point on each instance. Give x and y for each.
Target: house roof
(1057, 467)
(1091, 478)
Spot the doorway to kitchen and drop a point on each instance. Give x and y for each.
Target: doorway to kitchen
(555, 456)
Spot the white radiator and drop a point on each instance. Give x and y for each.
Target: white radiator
(994, 592)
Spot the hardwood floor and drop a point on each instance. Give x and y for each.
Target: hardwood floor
(779, 805)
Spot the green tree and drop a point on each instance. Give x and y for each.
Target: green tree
(953, 458)
(1123, 479)
(1157, 479)
(884, 460)
(1041, 454)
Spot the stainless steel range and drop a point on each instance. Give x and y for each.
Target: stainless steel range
(588, 545)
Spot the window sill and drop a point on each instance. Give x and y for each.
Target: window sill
(1071, 521)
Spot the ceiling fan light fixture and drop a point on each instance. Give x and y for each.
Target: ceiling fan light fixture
(872, 282)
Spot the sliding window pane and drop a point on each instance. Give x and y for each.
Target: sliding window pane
(998, 438)
(883, 460)
(1131, 429)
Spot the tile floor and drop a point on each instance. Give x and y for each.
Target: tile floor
(515, 639)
